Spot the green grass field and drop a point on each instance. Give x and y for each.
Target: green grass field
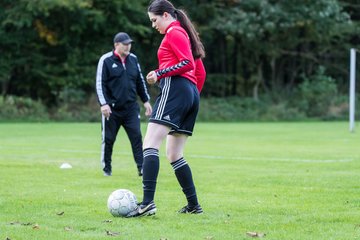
(284, 180)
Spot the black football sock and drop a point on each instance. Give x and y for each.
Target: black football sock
(184, 177)
(150, 173)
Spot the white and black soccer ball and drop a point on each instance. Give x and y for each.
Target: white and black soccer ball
(121, 202)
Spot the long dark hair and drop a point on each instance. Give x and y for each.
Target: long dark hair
(158, 7)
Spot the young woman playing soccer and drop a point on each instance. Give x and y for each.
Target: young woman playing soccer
(181, 76)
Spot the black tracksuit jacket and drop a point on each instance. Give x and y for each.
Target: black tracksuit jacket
(117, 85)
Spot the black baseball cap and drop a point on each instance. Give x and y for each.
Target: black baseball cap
(122, 37)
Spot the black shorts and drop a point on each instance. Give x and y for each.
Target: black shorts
(177, 105)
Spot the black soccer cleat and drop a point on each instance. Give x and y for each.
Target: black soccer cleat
(191, 210)
(143, 210)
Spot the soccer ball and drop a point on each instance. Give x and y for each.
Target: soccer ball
(121, 202)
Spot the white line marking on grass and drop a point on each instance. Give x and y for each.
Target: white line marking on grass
(244, 158)
(274, 159)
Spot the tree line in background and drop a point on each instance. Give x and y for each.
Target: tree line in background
(285, 58)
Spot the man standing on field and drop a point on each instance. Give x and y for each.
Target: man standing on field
(118, 82)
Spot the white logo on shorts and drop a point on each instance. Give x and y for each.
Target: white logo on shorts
(167, 117)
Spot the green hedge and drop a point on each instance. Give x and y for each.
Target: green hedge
(14, 108)
(247, 109)
(231, 109)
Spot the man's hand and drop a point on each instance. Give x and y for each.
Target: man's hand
(148, 109)
(106, 111)
(151, 77)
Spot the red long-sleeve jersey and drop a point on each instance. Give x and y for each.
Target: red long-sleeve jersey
(175, 57)
(200, 74)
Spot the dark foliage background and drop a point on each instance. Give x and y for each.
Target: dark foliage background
(266, 59)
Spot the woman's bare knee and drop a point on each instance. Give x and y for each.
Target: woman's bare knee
(173, 156)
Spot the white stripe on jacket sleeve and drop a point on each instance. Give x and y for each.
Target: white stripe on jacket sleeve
(99, 80)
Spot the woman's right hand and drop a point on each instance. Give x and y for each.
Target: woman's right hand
(151, 77)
